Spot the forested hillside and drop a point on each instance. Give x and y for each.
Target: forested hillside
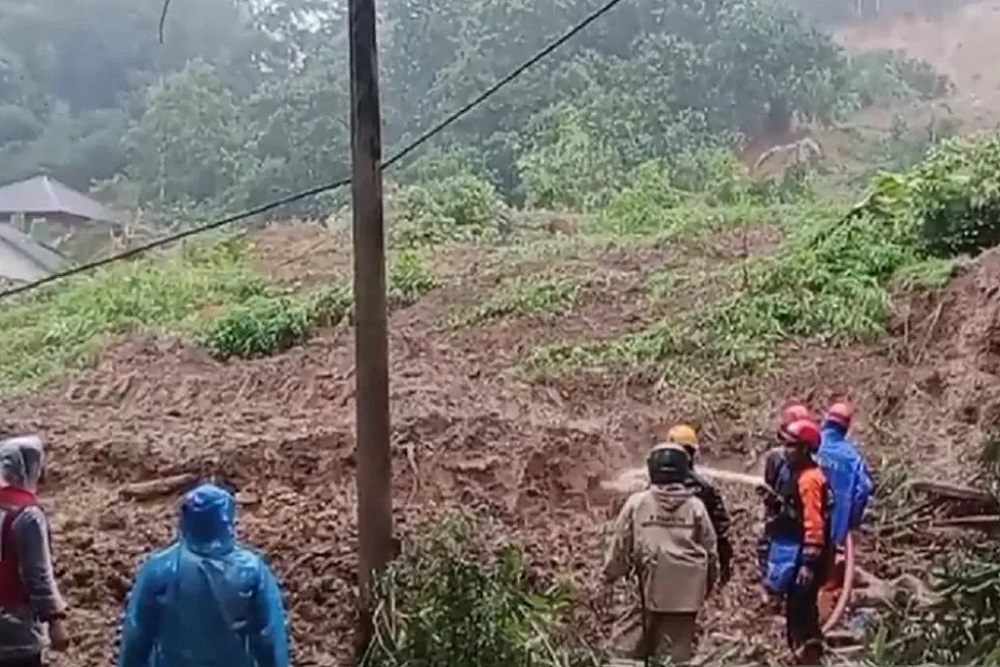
(241, 103)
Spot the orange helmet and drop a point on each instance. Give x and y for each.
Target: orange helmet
(841, 412)
(804, 433)
(793, 412)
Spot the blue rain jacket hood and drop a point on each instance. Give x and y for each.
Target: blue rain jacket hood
(206, 600)
(850, 480)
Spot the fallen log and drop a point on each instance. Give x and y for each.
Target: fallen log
(951, 492)
(157, 488)
(987, 522)
(875, 591)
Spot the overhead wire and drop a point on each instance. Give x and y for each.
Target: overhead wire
(319, 189)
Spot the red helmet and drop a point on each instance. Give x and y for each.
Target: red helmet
(841, 413)
(793, 412)
(803, 432)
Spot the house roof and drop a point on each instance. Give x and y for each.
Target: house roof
(25, 260)
(42, 194)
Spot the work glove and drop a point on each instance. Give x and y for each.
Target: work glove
(805, 576)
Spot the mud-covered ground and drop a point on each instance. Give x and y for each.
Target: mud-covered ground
(466, 434)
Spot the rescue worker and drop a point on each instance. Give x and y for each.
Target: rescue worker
(664, 535)
(851, 485)
(205, 600)
(30, 604)
(792, 412)
(774, 459)
(705, 491)
(799, 548)
(846, 470)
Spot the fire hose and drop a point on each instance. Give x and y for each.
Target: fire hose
(844, 595)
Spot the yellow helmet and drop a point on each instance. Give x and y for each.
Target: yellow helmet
(683, 435)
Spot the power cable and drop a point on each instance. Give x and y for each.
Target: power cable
(319, 189)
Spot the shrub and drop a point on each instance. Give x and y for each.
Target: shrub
(952, 198)
(461, 206)
(258, 327)
(453, 600)
(571, 166)
(646, 204)
(409, 279)
(332, 305)
(715, 173)
(959, 627)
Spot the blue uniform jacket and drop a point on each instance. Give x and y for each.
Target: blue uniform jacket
(205, 601)
(849, 478)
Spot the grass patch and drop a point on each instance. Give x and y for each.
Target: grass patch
(531, 296)
(269, 324)
(59, 328)
(635, 351)
(932, 273)
(208, 291)
(829, 284)
(662, 284)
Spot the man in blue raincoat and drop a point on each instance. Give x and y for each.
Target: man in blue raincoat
(848, 474)
(205, 600)
(851, 485)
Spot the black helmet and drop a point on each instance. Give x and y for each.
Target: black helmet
(668, 464)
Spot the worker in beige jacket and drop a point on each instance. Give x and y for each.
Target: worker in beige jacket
(664, 537)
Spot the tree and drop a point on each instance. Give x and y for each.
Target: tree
(247, 100)
(189, 142)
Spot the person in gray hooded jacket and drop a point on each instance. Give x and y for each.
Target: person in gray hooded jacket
(30, 604)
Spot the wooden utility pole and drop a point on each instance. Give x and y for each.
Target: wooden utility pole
(374, 473)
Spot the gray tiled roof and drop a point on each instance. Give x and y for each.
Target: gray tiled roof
(42, 194)
(25, 260)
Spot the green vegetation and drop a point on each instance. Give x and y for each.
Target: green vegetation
(956, 626)
(410, 277)
(210, 292)
(59, 327)
(458, 206)
(453, 600)
(260, 326)
(242, 101)
(830, 281)
(525, 295)
(631, 127)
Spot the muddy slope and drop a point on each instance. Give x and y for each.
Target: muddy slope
(466, 434)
